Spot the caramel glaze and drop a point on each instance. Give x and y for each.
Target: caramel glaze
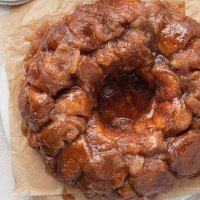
(123, 98)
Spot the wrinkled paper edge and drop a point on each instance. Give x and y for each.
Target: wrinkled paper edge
(15, 50)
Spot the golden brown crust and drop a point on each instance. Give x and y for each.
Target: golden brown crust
(182, 154)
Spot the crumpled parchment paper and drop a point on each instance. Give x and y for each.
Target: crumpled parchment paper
(28, 169)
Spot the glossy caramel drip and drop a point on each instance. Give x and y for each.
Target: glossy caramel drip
(66, 195)
(24, 128)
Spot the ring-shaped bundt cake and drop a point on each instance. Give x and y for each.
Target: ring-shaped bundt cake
(111, 98)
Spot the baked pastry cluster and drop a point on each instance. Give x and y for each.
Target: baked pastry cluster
(111, 98)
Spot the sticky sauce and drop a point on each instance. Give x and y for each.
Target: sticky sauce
(24, 129)
(66, 195)
(124, 98)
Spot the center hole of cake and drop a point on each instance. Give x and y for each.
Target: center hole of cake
(123, 99)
